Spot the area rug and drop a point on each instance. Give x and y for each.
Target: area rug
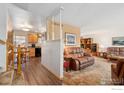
(6, 77)
(97, 74)
(11, 78)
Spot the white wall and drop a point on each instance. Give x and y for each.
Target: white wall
(104, 37)
(3, 31)
(106, 21)
(25, 34)
(51, 57)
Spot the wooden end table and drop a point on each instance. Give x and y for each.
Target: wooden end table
(102, 54)
(67, 63)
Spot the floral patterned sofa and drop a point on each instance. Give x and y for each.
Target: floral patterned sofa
(78, 58)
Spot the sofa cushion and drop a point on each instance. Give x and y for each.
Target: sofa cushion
(122, 54)
(82, 60)
(116, 53)
(76, 55)
(116, 49)
(90, 58)
(72, 56)
(122, 73)
(78, 50)
(74, 51)
(79, 55)
(114, 68)
(82, 54)
(87, 54)
(119, 66)
(121, 49)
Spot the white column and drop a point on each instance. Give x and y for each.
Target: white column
(61, 44)
(53, 28)
(47, 28)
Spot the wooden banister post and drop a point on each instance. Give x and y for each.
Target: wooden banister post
(12, 57)
(19, 60)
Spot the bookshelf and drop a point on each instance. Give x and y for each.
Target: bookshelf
(89, 45)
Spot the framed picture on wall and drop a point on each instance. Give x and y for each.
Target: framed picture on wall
(118, 41)
(70, 39)
(32, 38)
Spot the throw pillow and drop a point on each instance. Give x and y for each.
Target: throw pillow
(82, 54)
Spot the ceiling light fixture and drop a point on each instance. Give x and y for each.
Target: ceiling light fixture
(24, 26)
(26, 29)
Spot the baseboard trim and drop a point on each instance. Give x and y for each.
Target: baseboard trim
(52, 73)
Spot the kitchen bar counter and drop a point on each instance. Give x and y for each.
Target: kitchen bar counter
(35, 52)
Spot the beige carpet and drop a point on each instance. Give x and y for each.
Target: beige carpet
(97, 74)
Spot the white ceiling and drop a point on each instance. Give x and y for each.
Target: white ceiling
(86, 16)
(22, 17)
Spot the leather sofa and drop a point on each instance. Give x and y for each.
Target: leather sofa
(115, 53)
(78, 58)
(117, 73)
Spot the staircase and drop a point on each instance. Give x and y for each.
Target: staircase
(6, 78)
(11, 76)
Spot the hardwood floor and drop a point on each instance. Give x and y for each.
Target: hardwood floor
(36, 74)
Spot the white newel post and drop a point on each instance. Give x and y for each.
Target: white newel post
(53, 23)
(61, 44)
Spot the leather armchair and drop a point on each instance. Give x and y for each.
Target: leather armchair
(117, 73)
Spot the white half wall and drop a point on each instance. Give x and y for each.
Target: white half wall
(52, 56)
(3, 34)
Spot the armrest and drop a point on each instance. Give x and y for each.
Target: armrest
(87, 54)
(113, 66)
(122, 72)
(76, 59)
(67, 58)
(114, 69)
